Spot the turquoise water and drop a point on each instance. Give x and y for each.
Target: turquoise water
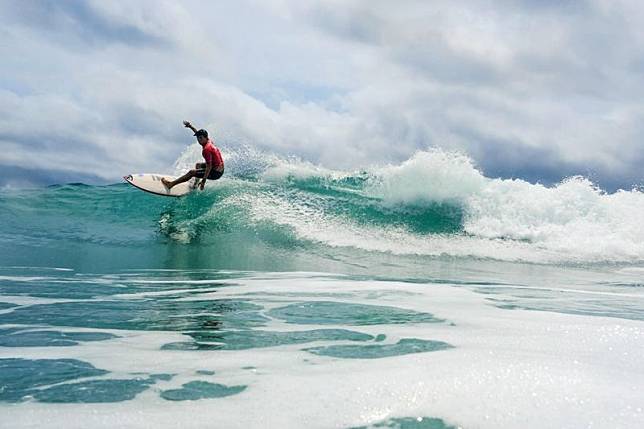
(420, 295)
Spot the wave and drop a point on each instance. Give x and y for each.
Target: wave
(435, 204)
(438, 203)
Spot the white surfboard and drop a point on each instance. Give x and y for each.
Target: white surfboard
(152, 183)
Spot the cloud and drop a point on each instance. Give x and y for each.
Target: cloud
(539, 90)
(86, 24)
(549, 77)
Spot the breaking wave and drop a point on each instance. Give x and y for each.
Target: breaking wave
(435, 204)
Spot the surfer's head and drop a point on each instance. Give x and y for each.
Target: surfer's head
(202, 136)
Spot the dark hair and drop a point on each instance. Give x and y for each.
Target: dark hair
(201, 133)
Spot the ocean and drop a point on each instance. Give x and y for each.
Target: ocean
(287, 295)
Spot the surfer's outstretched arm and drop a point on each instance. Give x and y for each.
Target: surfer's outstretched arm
(187, 124)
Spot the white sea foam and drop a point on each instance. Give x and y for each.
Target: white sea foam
(39, 268)
(514, 368)
(25, 279)
(427, 177)
(573, 217)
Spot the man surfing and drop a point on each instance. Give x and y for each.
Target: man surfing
(212, 169)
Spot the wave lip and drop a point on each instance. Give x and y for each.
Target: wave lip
(433, 176)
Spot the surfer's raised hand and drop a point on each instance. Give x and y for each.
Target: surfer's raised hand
(187, 124)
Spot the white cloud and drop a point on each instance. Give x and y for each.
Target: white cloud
(105, 85)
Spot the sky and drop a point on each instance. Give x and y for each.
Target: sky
(534, 89)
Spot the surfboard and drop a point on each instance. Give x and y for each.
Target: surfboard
(152, 183)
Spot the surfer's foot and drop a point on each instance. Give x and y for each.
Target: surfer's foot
(167, 183)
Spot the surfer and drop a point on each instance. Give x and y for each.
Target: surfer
(212, 169)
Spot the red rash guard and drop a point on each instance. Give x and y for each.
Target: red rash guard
(212, 156)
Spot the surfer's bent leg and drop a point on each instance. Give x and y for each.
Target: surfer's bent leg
(189, 175)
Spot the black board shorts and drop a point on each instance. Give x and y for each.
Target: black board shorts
(214, 175)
